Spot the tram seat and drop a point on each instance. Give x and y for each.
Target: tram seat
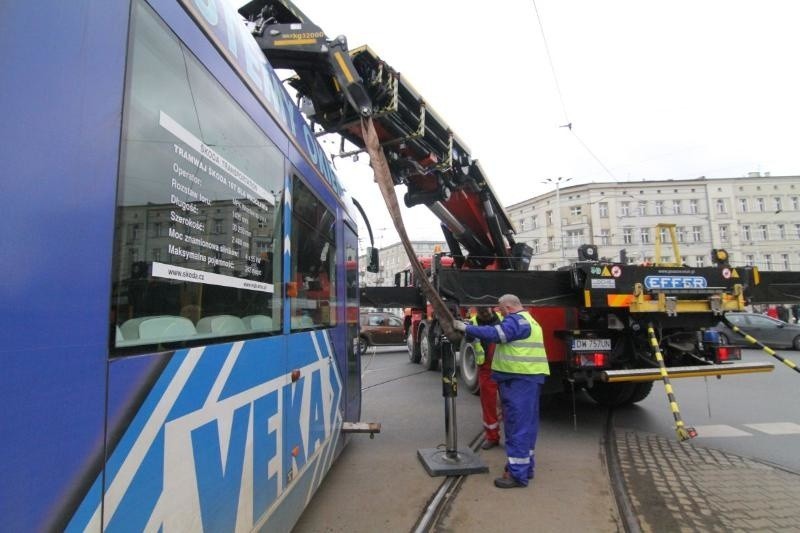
(119, 335)
(258, 322)
(301, 322)
(158, 328)
(221, 324)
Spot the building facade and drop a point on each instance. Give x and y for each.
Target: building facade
(755, 218)
(393, 259)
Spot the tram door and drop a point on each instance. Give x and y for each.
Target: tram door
(353, 377)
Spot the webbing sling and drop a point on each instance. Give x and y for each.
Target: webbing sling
(383, 177)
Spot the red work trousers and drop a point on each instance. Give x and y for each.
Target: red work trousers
(488, 388)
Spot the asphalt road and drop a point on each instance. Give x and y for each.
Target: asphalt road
(754, 416)
(380, 485)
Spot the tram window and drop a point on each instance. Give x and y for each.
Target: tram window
(313, 290)
(200, 184)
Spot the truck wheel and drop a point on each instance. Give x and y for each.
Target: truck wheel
(611, 394)
(363, 345)
(426, 357)
(467, 368)
(640, 391)
(413, 347)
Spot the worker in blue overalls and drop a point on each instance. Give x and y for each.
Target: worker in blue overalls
(519, 367)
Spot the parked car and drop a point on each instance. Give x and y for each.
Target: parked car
(380, 329)
(770, 331)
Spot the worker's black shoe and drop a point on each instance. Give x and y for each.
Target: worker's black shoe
(489, 444)
(507, 483)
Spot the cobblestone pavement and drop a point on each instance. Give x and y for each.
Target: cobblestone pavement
(675, 486)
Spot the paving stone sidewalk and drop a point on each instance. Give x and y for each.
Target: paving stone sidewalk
(675, 486)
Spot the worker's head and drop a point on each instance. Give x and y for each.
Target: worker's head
(508, 303)
(485, 313)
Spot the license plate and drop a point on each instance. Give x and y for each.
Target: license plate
(591, 344)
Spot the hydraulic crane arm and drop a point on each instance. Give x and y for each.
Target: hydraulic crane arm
(422, 151)
(290, 40)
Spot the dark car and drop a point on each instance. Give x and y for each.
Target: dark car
(380, 329)
(770, 331)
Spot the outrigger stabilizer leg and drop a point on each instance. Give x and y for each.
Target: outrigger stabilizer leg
(752, 340)
(683, 432)
(450, 461)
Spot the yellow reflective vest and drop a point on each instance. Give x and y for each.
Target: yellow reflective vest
(523, 356)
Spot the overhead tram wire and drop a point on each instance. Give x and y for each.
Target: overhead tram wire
(567, 121)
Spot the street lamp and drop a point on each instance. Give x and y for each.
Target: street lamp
(633, 213)
(557, 182)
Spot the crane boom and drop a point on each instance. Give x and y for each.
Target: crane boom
(341, 86)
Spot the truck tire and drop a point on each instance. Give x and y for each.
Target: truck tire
(640, 392)
(363, 345)
(611, 394)
(426, 356)
(467, 369)
(413, 347)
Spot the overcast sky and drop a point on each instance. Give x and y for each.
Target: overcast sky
(654, 90)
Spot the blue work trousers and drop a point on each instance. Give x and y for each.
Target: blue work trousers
(519, 395)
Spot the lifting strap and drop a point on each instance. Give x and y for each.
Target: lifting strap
(380, 168)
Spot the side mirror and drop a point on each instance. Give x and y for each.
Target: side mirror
(372, 260)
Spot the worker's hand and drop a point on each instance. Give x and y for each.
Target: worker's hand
(459, 326)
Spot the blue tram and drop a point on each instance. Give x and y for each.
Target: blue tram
(178, 329)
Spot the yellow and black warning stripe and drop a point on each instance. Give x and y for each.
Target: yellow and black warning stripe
(683, 432)
(752, 340)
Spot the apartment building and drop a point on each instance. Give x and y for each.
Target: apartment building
(755, 218)
(393, 259)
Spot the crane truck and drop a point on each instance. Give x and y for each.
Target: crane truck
(611, 327)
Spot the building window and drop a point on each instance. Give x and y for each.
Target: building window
(548, 216)
(777, 203)
(535, 246)
(625, 209)
(721, 207)
(603, 209)
(762, 232)
(746, 233)
(781, 231)
(693, 206)
(743, 205)
(697, 235)
(575, 237)
(644, 235)
(534, 222)
(795, 203)
(723, 233)
(605, 237)
(659, 207)
(575, 210)
(768, 261)
(676, 207)
(642, 208)
(681, 233)
(522, 224)
(627, 236)
(663, 234)
(699, 261)
(156, 254)
(797, 230)
(760, 205)
(550, 245)
(785, 261)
